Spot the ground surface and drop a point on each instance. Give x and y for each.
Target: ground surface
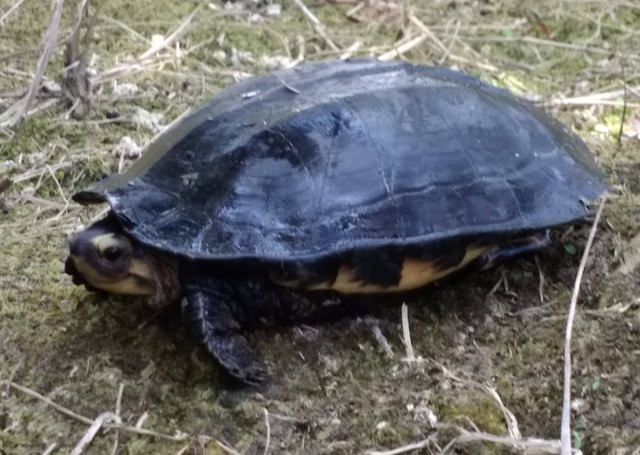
(333, 390)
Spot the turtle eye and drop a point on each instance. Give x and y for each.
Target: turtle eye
(112, 253)
(112, 247)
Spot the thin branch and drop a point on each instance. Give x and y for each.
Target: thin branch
(49, 450)
(372, 323)
(406, 47)
(404, 449)
(605, 98)
(565, 431)
(93, 430)
(624, 107)
(266, 422)
(406, 334)
(509, 417)
(48, 43)
(20, 110)
(549, 43)
(169, 40)
(427, 31)
(88, 421)
(531, 446)
(226, 448)
(348, 53)
(116, 439)
(319, 26)
(14, 7)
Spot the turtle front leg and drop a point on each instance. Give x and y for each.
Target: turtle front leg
(207, 310)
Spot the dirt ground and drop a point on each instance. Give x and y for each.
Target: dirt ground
(334, 389)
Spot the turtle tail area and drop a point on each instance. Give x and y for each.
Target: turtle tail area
(512, 249)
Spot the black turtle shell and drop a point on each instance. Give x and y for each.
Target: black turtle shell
(334, 156)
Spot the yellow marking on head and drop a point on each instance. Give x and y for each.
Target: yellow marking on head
(135, 282)
(104, 240)
(415, 274)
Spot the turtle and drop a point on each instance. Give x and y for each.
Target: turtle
(332, 178)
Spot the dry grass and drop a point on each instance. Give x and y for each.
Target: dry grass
(567, 56)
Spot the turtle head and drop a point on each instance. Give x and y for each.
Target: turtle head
(104, 258)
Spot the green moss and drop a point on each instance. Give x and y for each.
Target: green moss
(77, 347)
(484, 413)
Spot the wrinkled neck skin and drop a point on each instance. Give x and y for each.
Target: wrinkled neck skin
(165, 276)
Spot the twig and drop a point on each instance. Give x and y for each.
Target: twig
(48, 44)
(169, 40)
(14, 7)
(406, 47)
(92, 431)
(141, 419)
(406, 334)
(550, 43)
(20, 110)
(61, 191)
(125, 27)
(284, 418)
(451, 43)
(47, 401)
(509, 417)
(565, 430)
(148, 60)
(88, 421)
(540, 280)
(14, 370)
(624, 107)
(404, 449)
(495, 287)
(116, 439)
(227, 449)
(266, 422)
(348, 53)
(183, 449)
(532, 446)
(77, 87)
(605, 98)
(427, 31)
(49, 450)
(379, 336)
(319, 26)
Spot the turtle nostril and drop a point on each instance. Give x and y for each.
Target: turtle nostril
(74, 248)
(69, 267)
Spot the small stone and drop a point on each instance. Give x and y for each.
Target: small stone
(274, 62)
(273, 10)
(123, 89)
(157, 40)
(127, 148)
(220, 55)
(148, 120)
(577, 404)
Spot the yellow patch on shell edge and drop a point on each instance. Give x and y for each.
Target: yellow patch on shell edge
(415, 274)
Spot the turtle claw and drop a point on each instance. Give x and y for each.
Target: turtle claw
(254, 374)
(234, 355)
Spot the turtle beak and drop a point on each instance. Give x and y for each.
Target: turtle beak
(76, 277)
